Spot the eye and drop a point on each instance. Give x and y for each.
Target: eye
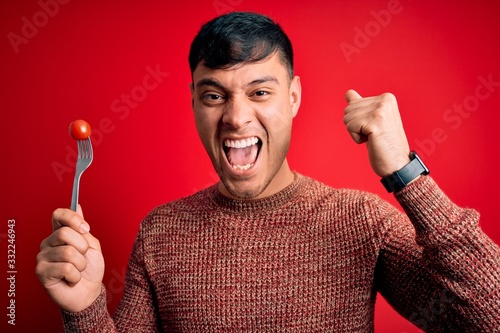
(211, 98)
(260, 95)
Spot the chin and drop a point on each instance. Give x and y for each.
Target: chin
(243, 192)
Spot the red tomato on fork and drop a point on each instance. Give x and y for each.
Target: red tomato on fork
(79, 129)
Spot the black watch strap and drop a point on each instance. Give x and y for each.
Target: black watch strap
(401, 178)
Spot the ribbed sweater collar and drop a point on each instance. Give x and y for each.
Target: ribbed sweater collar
(255, 206)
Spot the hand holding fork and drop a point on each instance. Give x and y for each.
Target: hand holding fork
(70, 265)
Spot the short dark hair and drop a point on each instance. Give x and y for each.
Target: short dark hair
(239, 37)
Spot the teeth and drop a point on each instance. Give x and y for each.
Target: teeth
(243, 143)
(242, 167)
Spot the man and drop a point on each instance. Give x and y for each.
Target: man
(270, 250)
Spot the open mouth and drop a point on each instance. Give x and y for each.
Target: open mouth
(242, 153)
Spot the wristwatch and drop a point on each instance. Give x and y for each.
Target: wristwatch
(399, 179)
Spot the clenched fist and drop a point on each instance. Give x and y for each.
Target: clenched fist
(376, 121)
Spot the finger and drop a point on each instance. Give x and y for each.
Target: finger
(366, 103)
(92, 242)
(50, 273)
(358, 119)
(356, 128)
(66, 217)
(358, 137)
(358, 111)
(352, 95)
(63, 254)
(66, 236)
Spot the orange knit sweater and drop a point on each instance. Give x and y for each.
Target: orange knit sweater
(308, 259)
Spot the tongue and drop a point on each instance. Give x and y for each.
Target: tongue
(242, 156)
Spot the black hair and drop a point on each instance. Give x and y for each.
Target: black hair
(239, 37)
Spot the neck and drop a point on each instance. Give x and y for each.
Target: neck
(282, 179)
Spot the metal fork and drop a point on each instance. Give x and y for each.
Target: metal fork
(85, 156)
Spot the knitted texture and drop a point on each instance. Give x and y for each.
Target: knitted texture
(308, 259)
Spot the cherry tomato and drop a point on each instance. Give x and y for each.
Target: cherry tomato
(79, 129)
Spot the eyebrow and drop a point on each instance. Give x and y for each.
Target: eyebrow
(212, 82)
(264, 79)
(208, 82)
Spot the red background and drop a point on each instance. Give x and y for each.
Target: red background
(81, 59)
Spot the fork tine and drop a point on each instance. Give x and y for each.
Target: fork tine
(84, 149)
(90, 153)
(79, 146)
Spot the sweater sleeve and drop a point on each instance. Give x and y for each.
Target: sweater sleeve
(136, 311)
(440, 271)
(95, 318)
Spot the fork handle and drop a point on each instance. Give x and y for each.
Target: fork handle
(74, 195)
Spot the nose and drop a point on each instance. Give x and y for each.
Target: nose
(238, 113)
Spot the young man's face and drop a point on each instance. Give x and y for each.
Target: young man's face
(244, 119)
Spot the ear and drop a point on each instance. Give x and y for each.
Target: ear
(295, 94)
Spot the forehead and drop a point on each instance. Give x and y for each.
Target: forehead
(243, 73)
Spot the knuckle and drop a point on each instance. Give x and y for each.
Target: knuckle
(62, 234)
(82, 265)
(57, 212)
(351, 128)
(43, 244)
(385, 101)
(68, 252)
(389, 97)
(67, 269)
(346, 120)
(62, 217)
(40, 257)
(40, 269)
(379, 113)
(74, 220)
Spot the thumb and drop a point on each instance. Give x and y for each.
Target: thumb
(85, 227)
(352, 95)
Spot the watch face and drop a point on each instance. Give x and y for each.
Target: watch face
(414, 155)
(399, 179)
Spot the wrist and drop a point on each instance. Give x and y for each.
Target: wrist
(406, 175)
(396, 166)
